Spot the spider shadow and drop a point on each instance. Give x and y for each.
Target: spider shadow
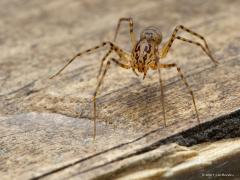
(137, 107)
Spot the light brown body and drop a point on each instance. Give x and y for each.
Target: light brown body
(145, 55)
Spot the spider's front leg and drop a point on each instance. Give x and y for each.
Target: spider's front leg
(132, 34)
(158, 67)
(124, 56)
(174, 36)
(185, 82)
(162, 91)
(102, 61)
(88, 51)
(100, 81)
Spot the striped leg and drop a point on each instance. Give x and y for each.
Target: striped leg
(126, 66)
(119, 51)
(185, 82)
(174, 36)
(200, 45)
(102, 61)
(100, 81)
(162, 93)
(132, 34)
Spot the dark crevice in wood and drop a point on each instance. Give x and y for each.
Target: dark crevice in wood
(21, 90)
(223, 127)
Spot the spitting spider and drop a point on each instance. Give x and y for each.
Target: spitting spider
(145, 55)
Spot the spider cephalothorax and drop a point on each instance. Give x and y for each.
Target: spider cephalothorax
(152, 33)
(144, 54)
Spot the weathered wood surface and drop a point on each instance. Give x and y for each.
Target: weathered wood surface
(46, 124)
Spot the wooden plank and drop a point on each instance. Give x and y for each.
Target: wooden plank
(144, 154)
(36, 141)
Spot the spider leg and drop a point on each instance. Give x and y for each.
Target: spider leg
(185, 82)
(168, 45)
(95, 94)
(119, 51)
(102, 61)
(132, 34)
(126, 66)
(135, 72)
(100, 81)
(200, 45)
(197, 35)
(80, 54)
(123, 56)
(162, 92)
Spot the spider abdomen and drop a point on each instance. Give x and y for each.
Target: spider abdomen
(144, 53)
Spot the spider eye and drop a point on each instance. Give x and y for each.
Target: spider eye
(152, 33)
(149, 35)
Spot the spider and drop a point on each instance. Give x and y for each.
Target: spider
(145, 54)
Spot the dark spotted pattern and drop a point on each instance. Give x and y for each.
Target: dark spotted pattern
(147, 48)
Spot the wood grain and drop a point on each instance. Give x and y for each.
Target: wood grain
(46, 125)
